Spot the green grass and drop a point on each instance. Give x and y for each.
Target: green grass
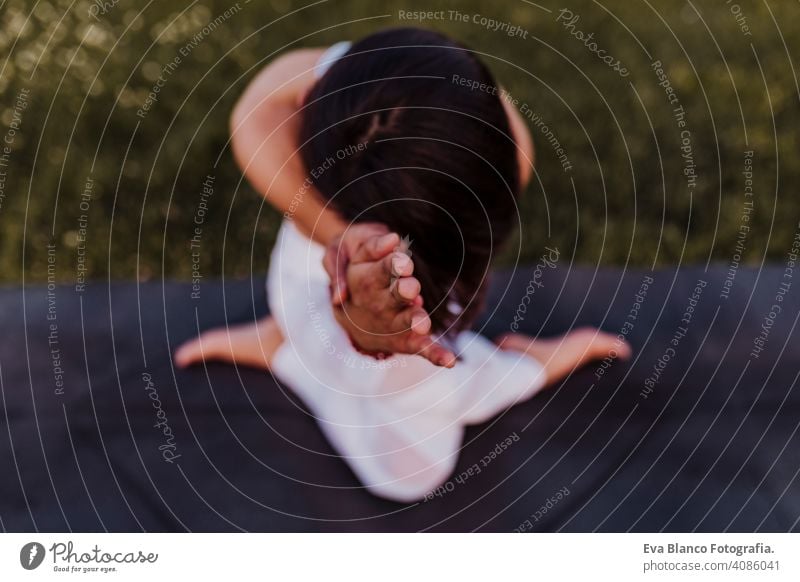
(624, 202)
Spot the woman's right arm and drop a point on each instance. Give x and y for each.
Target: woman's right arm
(526, 153)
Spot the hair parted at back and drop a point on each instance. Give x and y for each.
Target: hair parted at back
(397, 140)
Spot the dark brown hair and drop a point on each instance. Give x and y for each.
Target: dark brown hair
(391, 135)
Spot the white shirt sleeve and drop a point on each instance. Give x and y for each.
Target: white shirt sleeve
(399, 422)
(332, 54)
(492, 379)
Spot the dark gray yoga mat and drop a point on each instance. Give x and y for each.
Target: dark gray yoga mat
(698, 432)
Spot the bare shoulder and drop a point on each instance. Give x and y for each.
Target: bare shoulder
(281, 81)
(296, 62)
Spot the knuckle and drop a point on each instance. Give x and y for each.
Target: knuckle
(356, 300)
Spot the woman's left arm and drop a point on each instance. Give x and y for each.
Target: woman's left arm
(264, 126)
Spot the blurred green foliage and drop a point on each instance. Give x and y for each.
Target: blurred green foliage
(88, 68)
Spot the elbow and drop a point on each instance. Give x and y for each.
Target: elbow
(252, 106)
(239, 114)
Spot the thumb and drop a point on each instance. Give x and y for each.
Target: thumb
(335, 264)
(339, 282)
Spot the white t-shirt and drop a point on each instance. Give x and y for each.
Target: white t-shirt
(398, 422)
(332, 54)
